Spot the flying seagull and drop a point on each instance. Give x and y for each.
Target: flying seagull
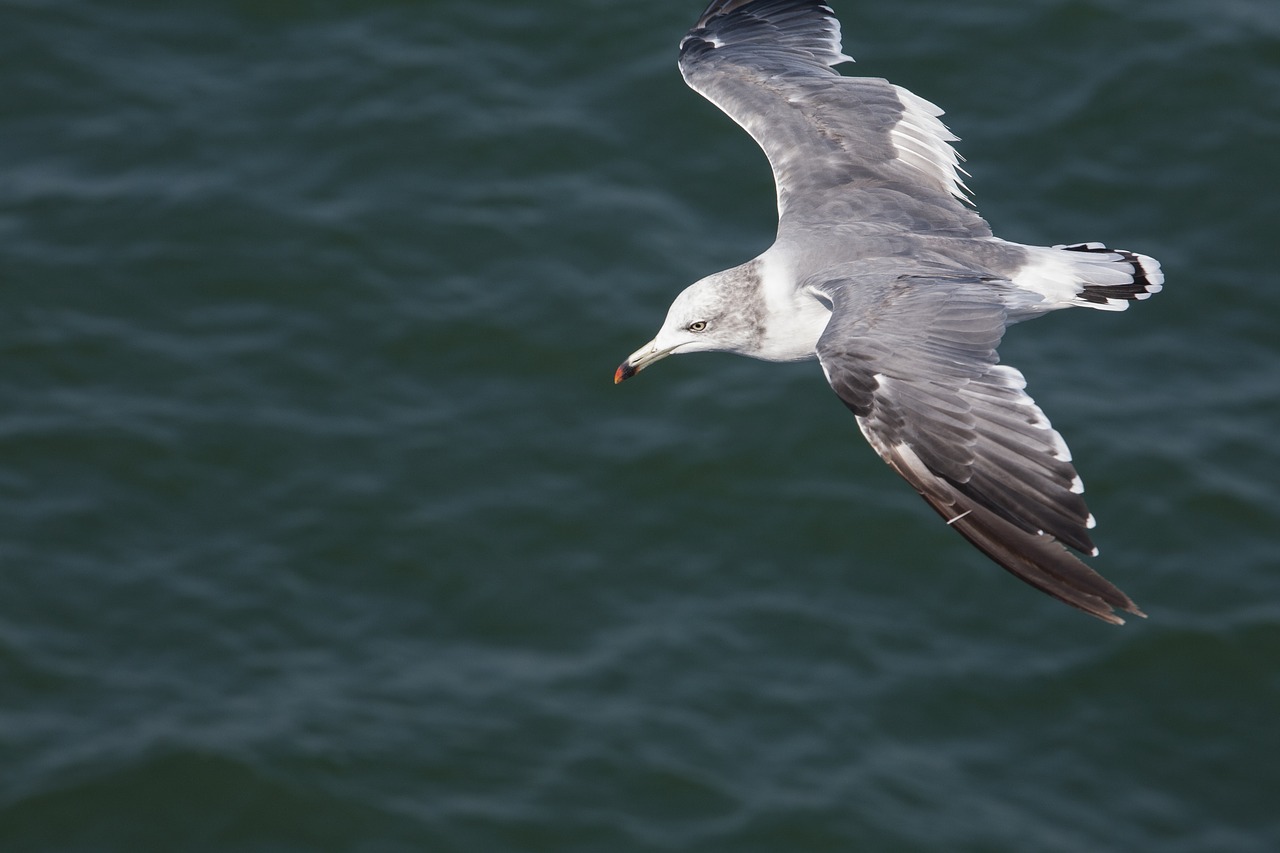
(884, 272)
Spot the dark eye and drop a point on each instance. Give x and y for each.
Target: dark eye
(698, 325)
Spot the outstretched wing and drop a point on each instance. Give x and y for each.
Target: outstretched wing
(851, 148)
(914, 356)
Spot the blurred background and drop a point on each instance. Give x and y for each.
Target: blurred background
(323, 527)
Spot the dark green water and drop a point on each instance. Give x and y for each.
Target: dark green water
(322, 526)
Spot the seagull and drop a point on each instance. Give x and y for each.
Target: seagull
(885, 273)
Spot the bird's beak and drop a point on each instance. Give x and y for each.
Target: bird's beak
(639, 360)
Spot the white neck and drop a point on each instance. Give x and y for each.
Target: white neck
(795, 319)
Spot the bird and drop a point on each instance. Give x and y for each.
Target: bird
(884, 272)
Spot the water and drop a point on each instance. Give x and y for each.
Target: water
(323, 528)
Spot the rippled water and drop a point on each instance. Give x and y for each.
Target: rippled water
(322, 526)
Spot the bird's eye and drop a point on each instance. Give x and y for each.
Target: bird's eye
(698, 325)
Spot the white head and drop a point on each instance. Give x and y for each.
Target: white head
(716, 314)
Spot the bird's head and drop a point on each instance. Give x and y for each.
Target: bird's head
(708, 316)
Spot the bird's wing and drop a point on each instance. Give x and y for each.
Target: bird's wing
(847, 148)
(913, 355)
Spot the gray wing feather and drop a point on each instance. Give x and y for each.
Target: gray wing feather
(914, 357)
(847, 148)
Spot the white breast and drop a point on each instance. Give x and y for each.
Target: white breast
(794, 320)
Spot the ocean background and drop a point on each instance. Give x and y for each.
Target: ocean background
(323, 527)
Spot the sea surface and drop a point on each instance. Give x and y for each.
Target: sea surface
(323, 527)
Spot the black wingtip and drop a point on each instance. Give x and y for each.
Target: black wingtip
(806, 28)
(1041, 561)
(1036, 559)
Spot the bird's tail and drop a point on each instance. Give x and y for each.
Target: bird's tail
(1109, 279)
(1084, 274)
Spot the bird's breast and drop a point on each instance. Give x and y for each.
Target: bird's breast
(794, 319)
